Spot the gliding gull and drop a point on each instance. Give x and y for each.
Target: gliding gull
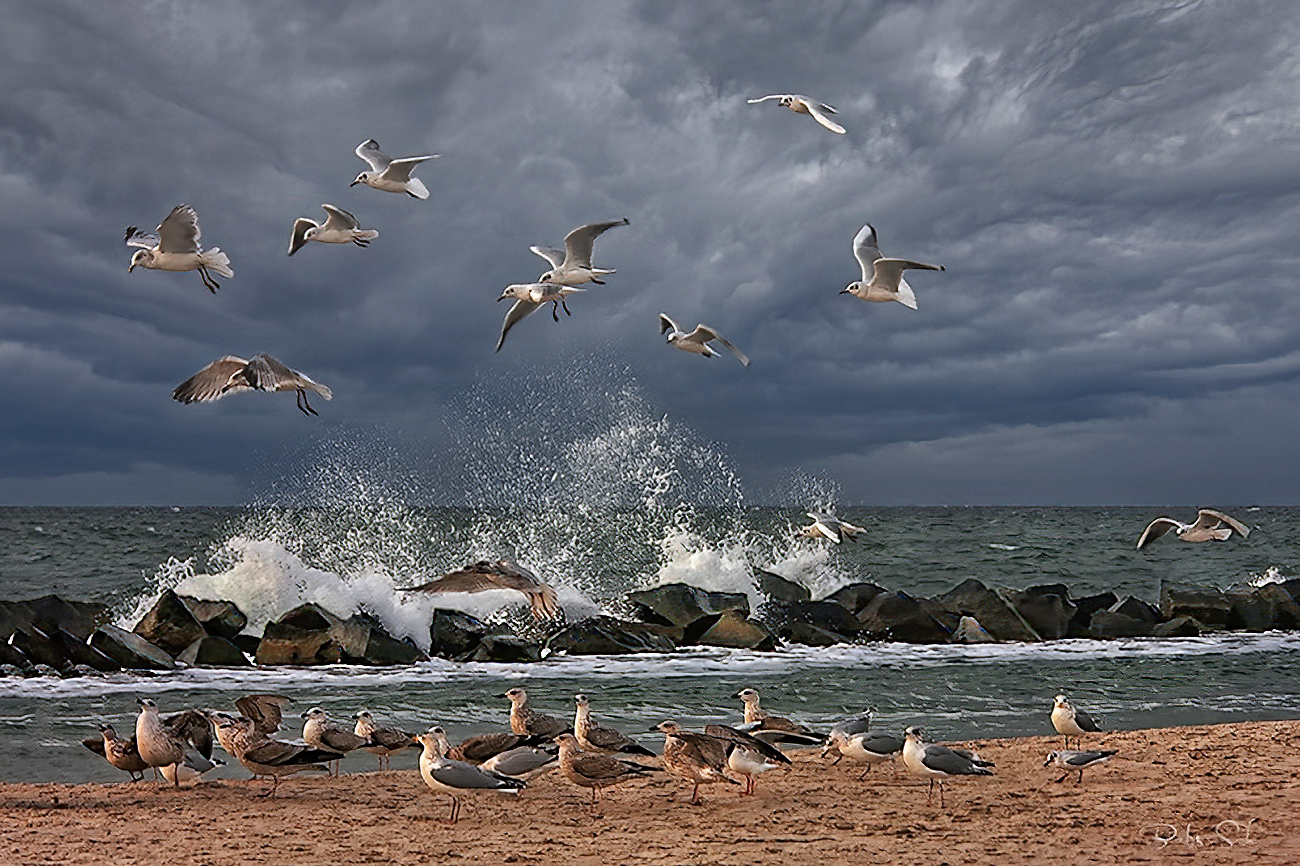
(230, 375)
(388, 174)
(803, 105)
(174, 246)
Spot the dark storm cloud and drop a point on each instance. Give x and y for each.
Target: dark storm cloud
(1113, 188)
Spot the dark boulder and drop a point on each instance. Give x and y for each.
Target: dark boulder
(11, 656)
(1047, 609)
(681, 604)
(247, 643)
(130, 650)
(215, 652)
(1292, 587)
(299, 637)
(50, 613)
(1260, 608)
(779, 588)
(80, 652)
(218, 618)
(169, 624)
(1108, 624)
(810, 635)
(34, 644)
(898, 616)
(605, 635)
(455, 635)
(856, 596)
(1206, 604)
(997, 617)
(506, 648)
(735, 631)
(1181, 626)
(1084, 608)
(1136, 608)
(821, 616)
(362, 640)
(970, 631)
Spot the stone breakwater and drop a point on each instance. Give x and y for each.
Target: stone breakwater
(52, 636)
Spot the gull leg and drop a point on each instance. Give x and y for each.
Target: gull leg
(564, 303)
(555, 311)
(1080, 779)
(598, 282)
(695, 795)
(1063, 778)
(210, 284)
(305, 408)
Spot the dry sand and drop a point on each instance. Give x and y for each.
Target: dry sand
(1206, 794)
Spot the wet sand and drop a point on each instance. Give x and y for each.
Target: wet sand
(1205, 794)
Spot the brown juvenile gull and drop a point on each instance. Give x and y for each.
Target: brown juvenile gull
(1070, 721)
(595, 737)
(938, 763)
(803, 105)
(231, 374)
(1210, 525)
(319, 731)
(340, 227)
(121, 753)
(388, 174)
(697, 341)
(522, 762)
(503, 574)
(831, 528)
(263, 756)
(571, 266)
(385, 741)
(775, 729)
(174, 246)
(1070, 760)
(481, 747)
(163, 741)
(524, 720)
(747, 755)
(697, 758)
(457, 777)
(595, 771)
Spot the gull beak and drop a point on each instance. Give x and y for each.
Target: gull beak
(355, 182)
(132, 268)
(502, 298)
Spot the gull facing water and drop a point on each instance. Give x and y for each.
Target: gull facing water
(697, 341)
(388, 174)
(528, 297)
(1210, 525)
(174, 246)
(882, 278)
(829, 527)
(340, 227)
(572, 265)
(230, 375)
(803, 105)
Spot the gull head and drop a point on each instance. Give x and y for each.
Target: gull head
(847, 290)
(1050, 758)
(787, 100)
(516, 696)
(314, 713)
(519, 291)
(364, 177)
(146, 704)
(748, 695)
(141, 258)
(363, 714)
(913, 733)
(667, 727)
(581, 700)
(1060, 702)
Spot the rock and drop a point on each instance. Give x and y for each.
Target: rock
(247, 643)
(735, 631)
(856, 596)
(32, 643)
(1292, 586)
(1134, 607)
(810, 635)
(507, 649)
(215, 652)
(130, 650)
(824, 616)
(900, 617)
(50, 613)
(299, 637)
(1206, 604)
(454, 635)
(605, 635)
(1112, 624)
(11, 656)
(1182, 626)
(218, 618)
(82, 654)
(1084, 608)
(1260, 608)
(363, 640)
(1047, 609)
(970, 631)
(996, 616)
(681, 604)
(778, 588)
(169, 624)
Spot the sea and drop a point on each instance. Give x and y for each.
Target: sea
(618, 500)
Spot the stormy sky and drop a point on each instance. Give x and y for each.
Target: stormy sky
(1114, 188)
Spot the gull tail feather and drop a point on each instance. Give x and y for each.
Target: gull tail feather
(215, 260)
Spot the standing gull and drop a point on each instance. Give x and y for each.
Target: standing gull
(457, 777)
(121, 753)
(571, 266)
(1070, 760)
(1210, 525)
(747, 755)
(523, 762)
(340, 227)
(174, 246)
(803, 105)
(595, 771)
(385, 741)
(698, 758)
(319, 731)
(163, 741)
(775, 729)
(595, 737)
(939, 762)
(263, 756)
(230, 375)
(871, 749)
(502, 574)
(841, 731)
(524, 720)
(1070, 721)
(697, 341)
(528, 297)
(882, 278)
(388, 174)
(831, 528)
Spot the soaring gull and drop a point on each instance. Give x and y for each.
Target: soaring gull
(230, 375)
(1210, 525)
(829, 527)
(388, 174)
(174, 246)
(528, 297)
(340, 227)
(571, 266)
(882, 278)
(697, 341)
(803, 105)
(502, 574)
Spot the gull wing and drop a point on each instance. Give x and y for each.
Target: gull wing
(269, 374)
(194, 728)
(298, 239)
(1208, 518)
(766, 98)
(552, 255)
(516, 314)
(266, 711)
(828, 526)
(819, 110)
(521, 761)
(666, 324)
(578, 243)
(866, 249)
(889, 272)
(400, 169)
(276, 753)
(463, 776)
(212, 382)
(740, 738)
(370, 152)
(709, 334)
(144, 240)
(952, 762)
(179, 232)
(339, 219)
(1155, 529)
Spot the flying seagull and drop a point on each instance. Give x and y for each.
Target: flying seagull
(1210, 525)
(388, 174)
(571, 266)
(831, 528)
(882, 278)
(174, 246)
(340, 227)
(230, 374)
(697, 341)
(803, 105)
(528, 297)
(502, 574)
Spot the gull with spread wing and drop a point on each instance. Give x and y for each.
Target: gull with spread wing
(230, 375)
(174, 246)
(340, 227)
(571, 266)
(503, 574)
(697, 341)
(1210, 525)
(388, 174)
(803, 105)
(882, 278)
(528, 297)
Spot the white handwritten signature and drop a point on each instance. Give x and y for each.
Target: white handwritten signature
(1227, 831)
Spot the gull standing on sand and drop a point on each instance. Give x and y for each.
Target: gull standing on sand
(571, 266)
(385, 741)
(882, 278)
(162, 742)
(596, 771)
(121, 753)
(841, 731)
(698, 758)
(191, 768)
(871, 749)
(388, 174)
(502, 574)
(340, 227)
(938, 763)
(697, 341)
(528, 297)
(263, 756)
(747, 755)
(1070, 721)
(1210, 525)
(457, 778)
(1070, 760)
(803, 105)
(829, 527)
(174, 246)
(775, 729)
(230, 375)
(525, 721)
(319, 731)
(595, 737)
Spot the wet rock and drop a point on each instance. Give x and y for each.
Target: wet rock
(1292, 586)
(1260, 608)
(169, 624)
(1084, 608)
(507, 649)
(809, 617)
(455, 635)
(856, 596)
(362, 640)
(1182, 626)
(900, 617)
(247, 643)
(10, 670)
(32, 643)
(996, 616)
(1206, 604)
(130, 650)
(1134, 607)
(1108, 624)
(605, 635)
(49, 613)
(11, 656)
(970, 631)
(299, 637)
(778, 588)
(735, 631)
(218, 618)
(214, 652)
(681, 604)
(810, 635)
(1047, 609)
(80, 653)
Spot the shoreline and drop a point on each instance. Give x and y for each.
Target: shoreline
(1223, 793)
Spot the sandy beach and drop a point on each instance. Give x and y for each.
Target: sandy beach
(1205, 794)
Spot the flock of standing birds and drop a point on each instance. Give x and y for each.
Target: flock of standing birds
(176, 246)
(587, 752)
